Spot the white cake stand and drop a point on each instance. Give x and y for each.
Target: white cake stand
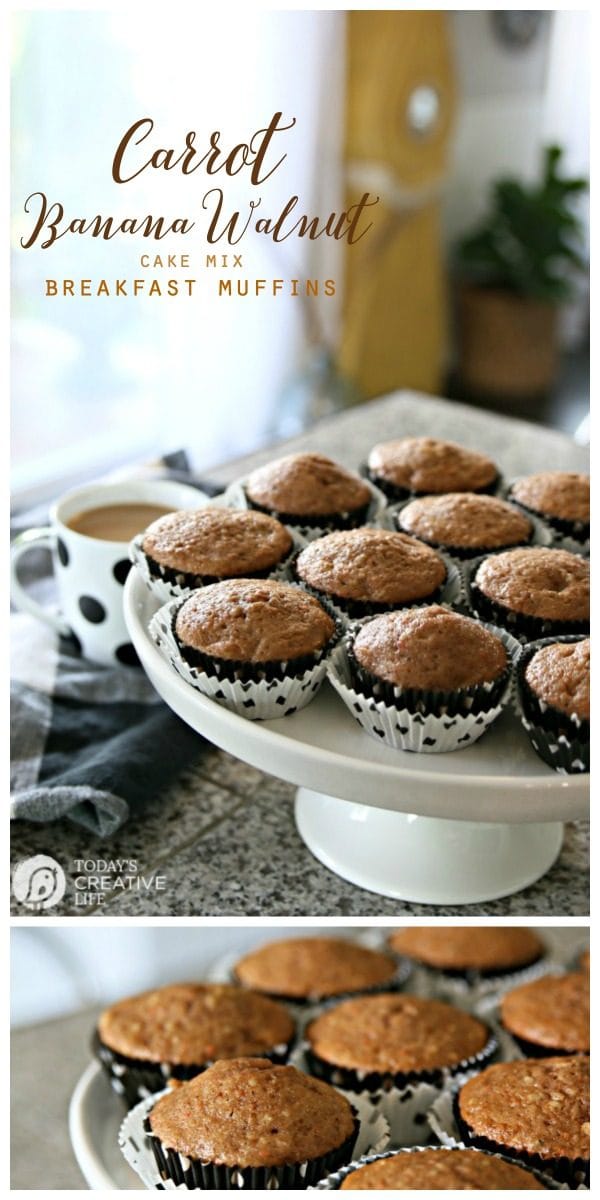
(455, 828)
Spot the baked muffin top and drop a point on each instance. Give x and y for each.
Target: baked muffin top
(464, 948)
(374, 565)
(191, 1023)
(540, 1106)
(247, 620)
(538, 582)
(245, 1112)
(307, 485)
(559, 674)
(465, 520)
(429, 648)
(217, 541)
(562, 494)
(441, 1170)
(395, 1033)
(425, 464)
(553, 1012)
(310, 968)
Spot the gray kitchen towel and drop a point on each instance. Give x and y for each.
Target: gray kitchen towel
(89, 743)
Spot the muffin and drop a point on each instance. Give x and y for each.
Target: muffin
(424, 679)
(438, 1169)
(365, 571)
(248, 1123)
(561, 498)
(316, 968)
(195, 547)
(534, 1110)
(550, 1016)
(469, 951)
(176, 1031)
(534, 592)
(309, 490)
(422, 465)
(554, 693)
(258, 647)
(394, 1039)
(464, 524)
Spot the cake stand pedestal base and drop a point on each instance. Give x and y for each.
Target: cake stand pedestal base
(425, 860)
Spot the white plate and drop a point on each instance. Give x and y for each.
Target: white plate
(95, 1116)
(499, 779)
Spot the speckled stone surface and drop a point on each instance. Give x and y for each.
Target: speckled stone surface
(222, 840)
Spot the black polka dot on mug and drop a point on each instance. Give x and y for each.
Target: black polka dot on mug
(63, 553)
(127, 655)
(92, 609)
(121, 570)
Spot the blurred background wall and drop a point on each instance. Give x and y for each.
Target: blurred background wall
(57, 970)
(428, 107)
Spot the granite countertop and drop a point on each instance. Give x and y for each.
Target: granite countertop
(48, 1058)
(222, 840)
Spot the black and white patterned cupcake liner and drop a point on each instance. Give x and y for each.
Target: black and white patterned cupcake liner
(452, 1131)
(450, 592)
(404, 1097)
(316, 526)
(565, 535)
(167, 583)
(162, 1168)
(258, 691)
(334, 1181)
(521, 625)
(539, 536)
(135, 1079)
(425, 722)
(562, 741)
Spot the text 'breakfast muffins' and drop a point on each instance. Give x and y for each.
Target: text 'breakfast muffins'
(441, 1170)
(392, 1036)
(534, 592)
(484, 950)
(310, 490)
(420, 465)
(191, 548)
(554, 691)
(562, 498)
(249, 622)
(314, 968)
(366, 570)
(176, 1030)
(465, 524)
(537, 1110)
(550, 1015)
(275, 1125)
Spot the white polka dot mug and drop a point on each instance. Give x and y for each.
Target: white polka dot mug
(91, 568)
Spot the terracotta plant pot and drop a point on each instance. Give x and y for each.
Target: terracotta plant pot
(508, 344)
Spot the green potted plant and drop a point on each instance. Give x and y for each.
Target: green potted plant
(515, 270)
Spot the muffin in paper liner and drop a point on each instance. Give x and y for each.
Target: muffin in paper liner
(258, 691)
(540, 536)
(446, 1123)
(395, 494)
(512, 1046)
(422, 722)
(521, 625)
(166, 583)
(135, 1079)
(561, 741)
(317, 526)
(334, 1181)
(403, 1097)
(160, 1168)
(468, 989)
(451, 592)
(564, 535)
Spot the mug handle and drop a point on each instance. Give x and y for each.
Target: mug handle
(24, 542)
